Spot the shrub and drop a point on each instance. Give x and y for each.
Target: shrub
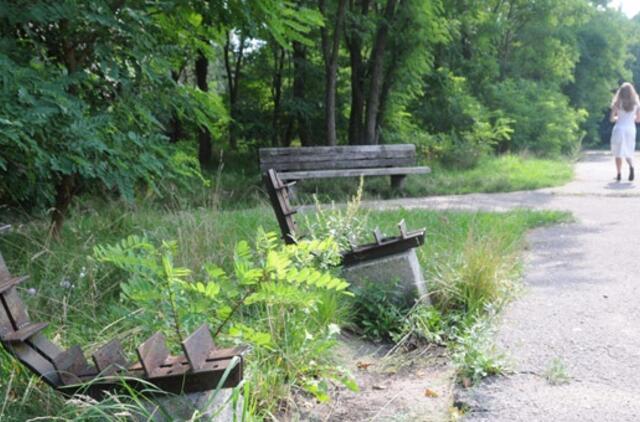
(379, 310)
(480, 275)
(474, 352)
(544, 121)
(282, 300)
(346, 225)
(462, 129)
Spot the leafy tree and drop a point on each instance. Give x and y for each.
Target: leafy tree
(82, 95)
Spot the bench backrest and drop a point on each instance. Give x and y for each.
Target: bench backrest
(340, 157)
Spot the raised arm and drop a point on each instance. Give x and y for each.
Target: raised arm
(614, 115)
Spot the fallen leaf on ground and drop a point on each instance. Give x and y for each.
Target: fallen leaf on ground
(466, 382)
(378, 387)
(363, 366)
(430, 393)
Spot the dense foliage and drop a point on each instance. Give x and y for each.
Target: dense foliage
(108, 95)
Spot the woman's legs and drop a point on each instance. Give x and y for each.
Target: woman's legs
(619, 166)
(631, 172)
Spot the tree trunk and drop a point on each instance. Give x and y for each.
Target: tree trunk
(64, 196)
(175, 125)
(204, 137)
(276, 92)
(233, 82)
(300, 117)
(377, 73)
(330, 53)
(354, 44)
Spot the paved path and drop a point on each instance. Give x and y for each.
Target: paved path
(580, 307)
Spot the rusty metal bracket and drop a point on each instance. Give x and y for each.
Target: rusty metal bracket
(201, 368)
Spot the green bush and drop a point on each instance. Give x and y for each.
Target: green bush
(544, 121)
(461, 130)
(379, 310)
(282, 300)
(481, 274)
(474, 352)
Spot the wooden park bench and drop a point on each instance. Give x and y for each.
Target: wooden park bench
(382, 246)
(200, 368)
(396, 161)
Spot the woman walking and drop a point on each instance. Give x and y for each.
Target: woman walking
(625, 112)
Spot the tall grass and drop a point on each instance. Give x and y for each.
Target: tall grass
(82, 300)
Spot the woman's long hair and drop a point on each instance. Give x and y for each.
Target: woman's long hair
(626, 98)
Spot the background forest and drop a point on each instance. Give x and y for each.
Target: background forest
(103, 96)
(129, 132)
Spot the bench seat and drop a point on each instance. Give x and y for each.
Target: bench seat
(384, 171)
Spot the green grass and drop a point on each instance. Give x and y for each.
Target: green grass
(81, 298)
(506, 173)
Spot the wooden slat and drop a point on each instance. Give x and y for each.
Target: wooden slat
(336, 164)
(319, 174)
(6, 324)
(279, 196)
(110, 358)
(197, 347)
(4, 271)
(45, 347)
(342, 149)
(25, 332)
(71, 365)
(153, 353)
(11, 282)
(28, 356)
(16, 309)
(311, 156)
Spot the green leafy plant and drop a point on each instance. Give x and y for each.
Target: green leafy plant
(347, 225)
(474, 352)
(379, 310)
(282, 300)
(423, 324)
(556, 373)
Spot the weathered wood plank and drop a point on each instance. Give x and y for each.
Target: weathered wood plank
(319, 174)
(310, 154)
(29, 357)
(110, 358)
(15, 308)
(153, 353)
(343, 149)
(331, 164)
(320, 158)
(4, 271)
(25, 332)
(6, 325)
(71, 365)
(11, 282)
(279, 196)
(44, 346)
(197, 347)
